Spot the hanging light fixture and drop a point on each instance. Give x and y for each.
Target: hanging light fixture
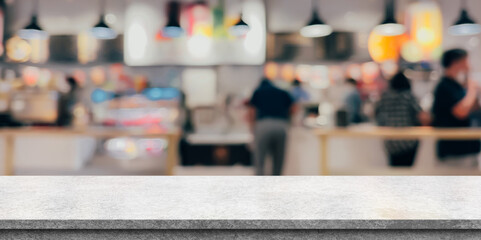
(101, 30)
(241, 28)
(33, 30)
(389, 26)
(173, 28)
(316, 27)
(465, 25)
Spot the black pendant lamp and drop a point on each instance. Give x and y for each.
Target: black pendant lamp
(241, 28)
(33, 30)
(173, 28)
(101, 30)
(465, 25)
(316, 27)
(389, 26)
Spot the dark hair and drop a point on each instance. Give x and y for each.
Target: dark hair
(296, 83)
(452, 56)
(400, 82)
(72, 82)
(265, 82)
(351, 81)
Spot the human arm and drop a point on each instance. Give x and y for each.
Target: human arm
(251, 117)
(251, 110)
(465, 106)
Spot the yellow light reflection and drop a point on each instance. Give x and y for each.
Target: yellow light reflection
(40, 50)
(424, 21)
(18, 50)
(86, 47)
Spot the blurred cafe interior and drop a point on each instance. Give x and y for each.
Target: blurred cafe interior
(165, 87)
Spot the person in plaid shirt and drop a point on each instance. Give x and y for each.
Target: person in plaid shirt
(398, 108)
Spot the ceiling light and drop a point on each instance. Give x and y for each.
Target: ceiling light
(316, 27)
(101, 30)
(240, 29)
(465, 25)
(389, 26)
(173, 28)
(33, 30)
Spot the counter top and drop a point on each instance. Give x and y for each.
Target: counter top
(240, 202)
(88, 132)
(221, 139)
(401, 133)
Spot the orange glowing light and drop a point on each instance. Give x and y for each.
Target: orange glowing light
(288, 72)
(271, 70)
(97, 74)
(140, 83)
(384, 48)
(30, 75)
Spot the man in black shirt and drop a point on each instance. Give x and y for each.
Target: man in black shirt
(270, 109)
(455, 98)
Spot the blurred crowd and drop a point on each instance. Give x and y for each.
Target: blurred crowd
(455, 106)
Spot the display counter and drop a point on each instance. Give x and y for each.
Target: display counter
(217, 149)
(10, 140)
(367, 132)
(239, 207)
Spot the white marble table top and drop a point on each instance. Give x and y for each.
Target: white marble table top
(269, 202)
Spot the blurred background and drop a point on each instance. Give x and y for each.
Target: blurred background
(158, 66)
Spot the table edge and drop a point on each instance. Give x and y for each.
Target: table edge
(457, 224)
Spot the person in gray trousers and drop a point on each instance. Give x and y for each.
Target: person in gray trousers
(270, 109)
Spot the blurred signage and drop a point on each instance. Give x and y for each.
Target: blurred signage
(338, 46)
(198, 45)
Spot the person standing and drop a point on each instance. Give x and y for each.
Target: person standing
(398, 108)
(353, 102)
(455, 98)
(299, 93)
(269, 112)
(67, 103)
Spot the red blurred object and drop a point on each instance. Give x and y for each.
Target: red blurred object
(159, 36)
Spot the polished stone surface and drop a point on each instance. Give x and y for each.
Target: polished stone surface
(240, 202)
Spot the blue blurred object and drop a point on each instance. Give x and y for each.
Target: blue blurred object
(172, 31)
(103, 31)
(100, 95)
(155, 94)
